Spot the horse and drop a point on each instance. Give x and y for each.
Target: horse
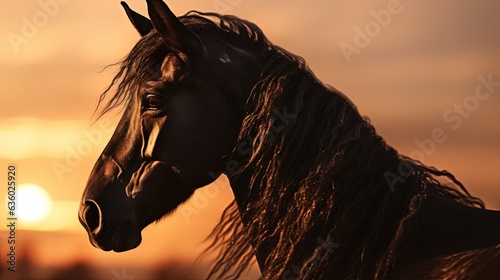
(318, 193)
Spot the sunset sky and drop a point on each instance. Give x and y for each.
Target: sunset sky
(414, 64)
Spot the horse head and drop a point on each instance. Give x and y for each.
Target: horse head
(173, 94)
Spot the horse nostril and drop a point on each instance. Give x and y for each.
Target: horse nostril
(92, 215)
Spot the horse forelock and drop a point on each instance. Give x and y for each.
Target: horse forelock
(144, 60)
(141, 64)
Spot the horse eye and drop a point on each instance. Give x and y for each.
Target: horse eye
(153, 101)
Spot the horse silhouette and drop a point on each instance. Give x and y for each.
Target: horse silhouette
(318, 193)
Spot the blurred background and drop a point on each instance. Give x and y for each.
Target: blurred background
(411, 66)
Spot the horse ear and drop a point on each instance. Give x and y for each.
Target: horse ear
(173, 31)
(140, 22)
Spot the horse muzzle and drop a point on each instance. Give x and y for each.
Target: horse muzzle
(119, 207)
(109, 232)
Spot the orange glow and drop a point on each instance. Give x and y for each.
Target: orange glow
(419, 66)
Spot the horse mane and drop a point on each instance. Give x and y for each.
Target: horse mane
(324, 205)
(323, 174)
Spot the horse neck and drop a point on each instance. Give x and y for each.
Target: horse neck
(360, 184)
(449, 227)
(349, 124)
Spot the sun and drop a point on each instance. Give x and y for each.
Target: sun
(34, 204)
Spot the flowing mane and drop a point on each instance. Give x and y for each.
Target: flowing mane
(321, 172)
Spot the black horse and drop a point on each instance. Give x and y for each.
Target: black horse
(318, 193)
